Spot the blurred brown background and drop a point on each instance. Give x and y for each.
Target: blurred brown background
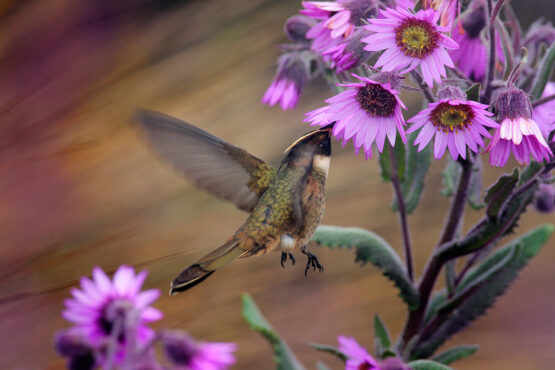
(79, 188)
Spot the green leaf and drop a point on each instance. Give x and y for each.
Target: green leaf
(532, 170)
(370, 248)
(427, 365)
(450, 175)
(330, 349)
(284, 357)
(455, 354)
(544, 73)
(416, 167)
(322, 366)
(473, 92)
(481, 287)
(381, 336)
(498, 193)
(385, 160)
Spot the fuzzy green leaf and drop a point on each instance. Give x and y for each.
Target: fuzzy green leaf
(427, 365)
(532, 170)
(373, 249)
(385, 160)
(382, 340)
(499, 192)
(285, 359)
(417, 165)
(330, 349)
(544, 73)
(450, 175)
(482, 286)
(455, 354)
(322, 366)
(473, 92)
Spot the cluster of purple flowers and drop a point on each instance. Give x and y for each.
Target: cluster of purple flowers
(111, 317)
(342, 35)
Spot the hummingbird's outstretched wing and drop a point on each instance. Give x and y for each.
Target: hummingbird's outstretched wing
(225, 170)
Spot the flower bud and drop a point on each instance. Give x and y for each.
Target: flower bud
(450, 92)
(545, 198)
(73, 346)
(297, 26)
(179, 347)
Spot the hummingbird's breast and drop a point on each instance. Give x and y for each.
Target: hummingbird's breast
(313, 203)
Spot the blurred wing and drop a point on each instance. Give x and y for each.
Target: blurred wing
(223, 169)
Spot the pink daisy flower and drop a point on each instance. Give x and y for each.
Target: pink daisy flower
(349, 53)
(544, 114)
(291, 76)
(472, 56)
(518, 132)
(338, 20)
(184, 351)
(365, 112)
(102, 306)
(455, 122)
(407, 4)
(410, 40)
(446, 8)
(358, 357)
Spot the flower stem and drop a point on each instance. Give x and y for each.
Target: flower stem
(543, 100)
(491, 54)
(402, 213)
(425, 88)
(435, 264)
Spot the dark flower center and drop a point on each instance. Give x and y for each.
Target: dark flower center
(376, 100)
(114, 312)
(447, 117)
(417, 38)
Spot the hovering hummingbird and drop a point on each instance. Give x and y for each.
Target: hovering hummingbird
(285, 204)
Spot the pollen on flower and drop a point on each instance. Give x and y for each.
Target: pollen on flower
(446, 117)
(376, 100)
(416, 38)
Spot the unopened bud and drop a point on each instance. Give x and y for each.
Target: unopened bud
(545, 198)
(451, 92)
(297, 26)
(73, 346)
(179, 347)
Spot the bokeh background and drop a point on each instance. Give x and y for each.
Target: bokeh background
(79, 187)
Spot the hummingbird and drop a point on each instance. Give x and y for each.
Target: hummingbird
(285, 204)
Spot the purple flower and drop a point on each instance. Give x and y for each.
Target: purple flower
(358, 357)
(184, 351)
(471, 57)
(543, 114)
(103, 309)
(407, 4)
(338, 20)
(544, 198)
(292, 74)
(410, 40)
(349, 53)
(446, 8)
(366, 111)
(456, 124)
(518, 132)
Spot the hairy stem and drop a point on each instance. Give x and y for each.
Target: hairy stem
(425, 88)
(543, 100)
(491, 54)
(402, 213)
(434, 266)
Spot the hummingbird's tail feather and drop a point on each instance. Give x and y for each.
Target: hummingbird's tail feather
(200, 271)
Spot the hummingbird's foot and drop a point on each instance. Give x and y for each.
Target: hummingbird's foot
(284, 259)
(311, 262)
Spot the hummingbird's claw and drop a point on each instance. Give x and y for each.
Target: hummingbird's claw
(284, 259)
(311, 262)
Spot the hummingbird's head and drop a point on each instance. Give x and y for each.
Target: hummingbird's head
(314, 146)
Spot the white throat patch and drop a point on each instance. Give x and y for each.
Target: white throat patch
(322, 163)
